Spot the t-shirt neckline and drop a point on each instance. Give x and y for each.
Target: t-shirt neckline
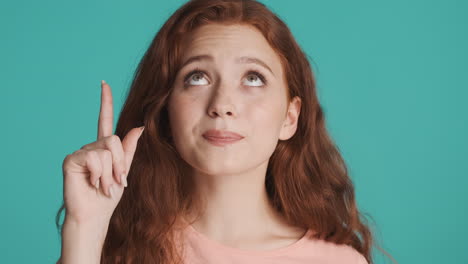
(237, 251)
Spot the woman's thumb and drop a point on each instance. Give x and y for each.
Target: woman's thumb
(129, 144)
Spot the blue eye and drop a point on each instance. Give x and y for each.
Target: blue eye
(196, 72)
(258, 75)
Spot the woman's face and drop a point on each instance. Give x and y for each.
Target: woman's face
(238, 87)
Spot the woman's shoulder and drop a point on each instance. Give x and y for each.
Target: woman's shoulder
(334, 253)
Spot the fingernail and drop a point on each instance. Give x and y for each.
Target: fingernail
(103, 82)
(111, 191)
(123, 179)
(97, 184)
(142, 128)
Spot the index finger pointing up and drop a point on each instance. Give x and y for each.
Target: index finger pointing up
(106, 115)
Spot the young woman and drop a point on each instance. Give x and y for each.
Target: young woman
(234, 164)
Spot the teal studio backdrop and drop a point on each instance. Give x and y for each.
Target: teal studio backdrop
(391, 75)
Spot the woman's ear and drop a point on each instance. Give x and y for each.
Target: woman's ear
(290, 123)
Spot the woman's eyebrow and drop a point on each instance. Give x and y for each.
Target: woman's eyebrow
(243, 59)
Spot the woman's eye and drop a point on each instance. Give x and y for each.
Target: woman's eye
(256, 77)
(198, 76)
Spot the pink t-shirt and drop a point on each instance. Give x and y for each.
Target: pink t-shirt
(199, 249)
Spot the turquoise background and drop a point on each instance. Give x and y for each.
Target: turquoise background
(391, 75)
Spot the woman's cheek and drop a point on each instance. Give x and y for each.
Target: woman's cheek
(267, 120)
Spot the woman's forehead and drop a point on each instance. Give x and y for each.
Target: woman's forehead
(215, 42)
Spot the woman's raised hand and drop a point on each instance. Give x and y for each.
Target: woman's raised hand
(94, 176)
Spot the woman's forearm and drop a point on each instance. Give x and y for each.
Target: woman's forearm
(82, 243)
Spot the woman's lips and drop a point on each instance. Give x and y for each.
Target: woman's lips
(221, 141)
(221, 137)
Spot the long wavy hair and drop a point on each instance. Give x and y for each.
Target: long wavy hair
(307, 179)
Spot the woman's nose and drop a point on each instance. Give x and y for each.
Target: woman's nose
(221, 105)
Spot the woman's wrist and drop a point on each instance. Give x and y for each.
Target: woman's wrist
(82, 242)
